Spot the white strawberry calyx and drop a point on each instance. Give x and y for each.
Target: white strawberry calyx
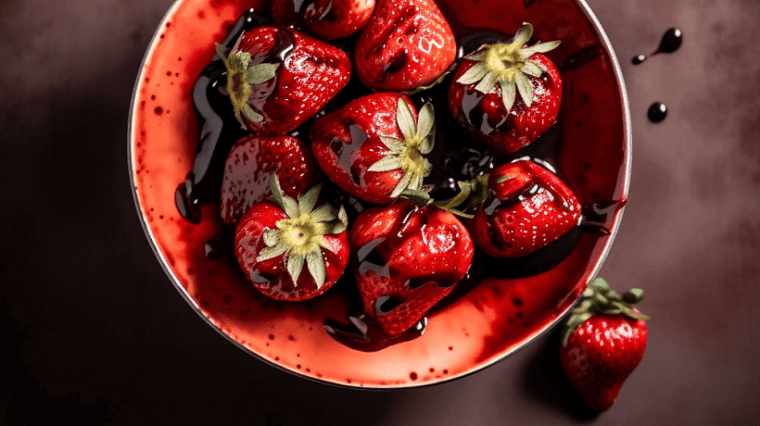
(407, 154)
(300, 237)
(241, 76)
(507, 65)
(599, 298)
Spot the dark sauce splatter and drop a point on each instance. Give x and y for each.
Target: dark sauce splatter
(657, 112)
(670, 42)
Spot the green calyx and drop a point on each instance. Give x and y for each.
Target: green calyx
(422, 198)
(508, 66)
(438, 81)
(407, 154)
(599, 298)
(300, 237)
(241, 76)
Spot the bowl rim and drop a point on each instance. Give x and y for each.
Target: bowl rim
(617, 71)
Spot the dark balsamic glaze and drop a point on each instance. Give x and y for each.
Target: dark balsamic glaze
(365, 334)
(598, 218)
(219, 245)
(670, 42)
(657, 112)
(580, 58)
(218, 132)
(305, 12)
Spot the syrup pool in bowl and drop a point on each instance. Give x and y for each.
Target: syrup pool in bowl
(479, 324)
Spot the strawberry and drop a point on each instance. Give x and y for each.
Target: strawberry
(249, 168)
(277, 78)
(273, 241)
(605, 340)
(521, 207)
(328, 19)
(483, 93)
(406, 44)
(407, 258)
(373, 147)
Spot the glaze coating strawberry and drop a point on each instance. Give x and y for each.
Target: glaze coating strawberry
(605, 340)
(374, 146)
(249, 168)
(273, 242)
(406, 44)
(521, 207)
(278, 78)
(327, 19)
(407, 258)
(507, 95)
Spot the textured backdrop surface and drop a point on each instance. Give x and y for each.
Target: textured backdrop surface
(96, 334)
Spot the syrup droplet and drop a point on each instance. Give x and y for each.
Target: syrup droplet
(657, 112)
(670, 42)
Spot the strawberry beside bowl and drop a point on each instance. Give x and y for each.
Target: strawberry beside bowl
(477, 324)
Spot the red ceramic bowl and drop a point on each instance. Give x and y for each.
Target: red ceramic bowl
(490, 321)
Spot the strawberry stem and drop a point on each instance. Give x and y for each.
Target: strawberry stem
(599, 298)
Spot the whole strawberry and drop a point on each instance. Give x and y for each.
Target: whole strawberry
(249, 168)
(328, 19)
(373, 147)
(274, 241)
(605, 340)
(406, 44)
(521, 207)
(407, 258)
(277, 78)
(483, 96)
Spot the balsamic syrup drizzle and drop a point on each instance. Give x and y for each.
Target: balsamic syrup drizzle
(217, 133)
(455, 161)
(364, 333)
(670, 42)
(580, 58)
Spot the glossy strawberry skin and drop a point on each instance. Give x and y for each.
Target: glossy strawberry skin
(270, 277)
(409, 257)
(406, 44)
(525, 213)
(600, 354)
(309, 74)
(327, 19)
(485, 117)
(249, 168)
(347, 142)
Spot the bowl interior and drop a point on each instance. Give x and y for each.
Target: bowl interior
(590, 149)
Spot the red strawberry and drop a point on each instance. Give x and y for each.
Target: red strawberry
(407, 258)
(521, 207)
(273, 241)
(605, 340)
(277, 78)
(373, 146)
(249, 168)
(406, 44)
(328, 19)
(483, 94)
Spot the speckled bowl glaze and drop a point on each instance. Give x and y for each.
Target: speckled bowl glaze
(478, 328)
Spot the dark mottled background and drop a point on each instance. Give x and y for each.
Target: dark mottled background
(94, 333)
